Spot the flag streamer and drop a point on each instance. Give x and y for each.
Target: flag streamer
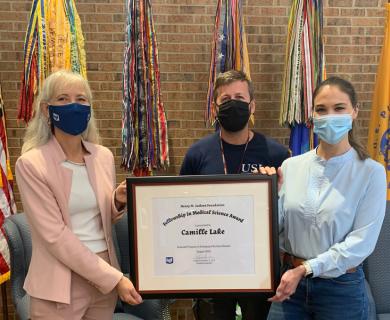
(379, 127)
(54, 41)
(304, 70)
(144, 123)
(229, 50)
(7, 202)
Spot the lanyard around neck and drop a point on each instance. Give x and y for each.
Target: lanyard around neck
(223, 154)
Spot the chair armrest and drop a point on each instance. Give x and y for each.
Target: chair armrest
(371, 303)
(23, 308)
(17, 258)
(151, 309)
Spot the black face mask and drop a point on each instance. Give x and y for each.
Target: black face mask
(233, 115)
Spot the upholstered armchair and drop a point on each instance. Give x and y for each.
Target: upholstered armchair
(19, 240)
(376, 269)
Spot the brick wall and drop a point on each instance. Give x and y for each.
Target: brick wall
(353, 31)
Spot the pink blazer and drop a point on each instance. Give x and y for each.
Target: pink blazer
(44, 186)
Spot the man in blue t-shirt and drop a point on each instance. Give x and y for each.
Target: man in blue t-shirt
(233, 149)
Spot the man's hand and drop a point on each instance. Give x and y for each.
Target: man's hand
(269, 171)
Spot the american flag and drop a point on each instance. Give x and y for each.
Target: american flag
(7, 202)
(229, 47)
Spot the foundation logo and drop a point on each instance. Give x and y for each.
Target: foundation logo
(168, 260)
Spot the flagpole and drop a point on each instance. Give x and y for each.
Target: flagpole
(4, 300)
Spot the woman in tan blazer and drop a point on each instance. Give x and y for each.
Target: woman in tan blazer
(67, 185)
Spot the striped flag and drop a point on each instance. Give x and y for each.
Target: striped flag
(229, 49)
(379, 128)
(144, 123)
(7, 203)
(304, 70)
(54, 40)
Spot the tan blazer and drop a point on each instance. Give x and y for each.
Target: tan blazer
(44, 185)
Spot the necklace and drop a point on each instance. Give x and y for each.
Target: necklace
(76, 163)
(223, 154)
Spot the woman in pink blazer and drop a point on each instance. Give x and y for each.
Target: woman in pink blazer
(67, 185)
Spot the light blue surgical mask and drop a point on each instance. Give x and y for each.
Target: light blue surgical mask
(332, 128)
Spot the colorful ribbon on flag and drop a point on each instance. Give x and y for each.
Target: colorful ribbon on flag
(379, 129)
(54, 40)
(7, 202)
(304, 70)
(229, 49)
(144, 123)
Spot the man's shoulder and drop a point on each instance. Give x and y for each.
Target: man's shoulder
(272, 144)
(204, 143)
(198, 155)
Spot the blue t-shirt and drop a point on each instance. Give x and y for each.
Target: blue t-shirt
(205, 156)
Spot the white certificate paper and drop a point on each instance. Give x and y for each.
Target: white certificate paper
(203, 236)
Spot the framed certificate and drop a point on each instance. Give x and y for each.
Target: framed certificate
(194, 236)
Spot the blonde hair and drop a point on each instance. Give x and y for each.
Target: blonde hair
(39, 131)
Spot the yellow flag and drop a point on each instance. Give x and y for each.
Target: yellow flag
(379, 129)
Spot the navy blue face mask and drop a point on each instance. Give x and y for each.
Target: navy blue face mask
(71, 118)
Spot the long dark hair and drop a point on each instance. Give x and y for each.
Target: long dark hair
(346, 87)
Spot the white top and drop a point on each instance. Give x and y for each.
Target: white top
(331, 212)
(84, 210)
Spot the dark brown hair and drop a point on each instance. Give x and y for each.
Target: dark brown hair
(346, 87)
(228, 77)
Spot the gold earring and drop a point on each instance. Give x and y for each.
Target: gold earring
(252, 119)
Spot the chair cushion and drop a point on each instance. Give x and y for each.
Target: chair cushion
(124, 316)
(384, 316)
(152, 309)
(23, 308)
(24, 229)
(122, 243)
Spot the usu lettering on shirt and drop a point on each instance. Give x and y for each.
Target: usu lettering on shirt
(205, 156)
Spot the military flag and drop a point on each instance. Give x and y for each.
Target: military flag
(304, 70)
(144, 123)
(54, 40)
